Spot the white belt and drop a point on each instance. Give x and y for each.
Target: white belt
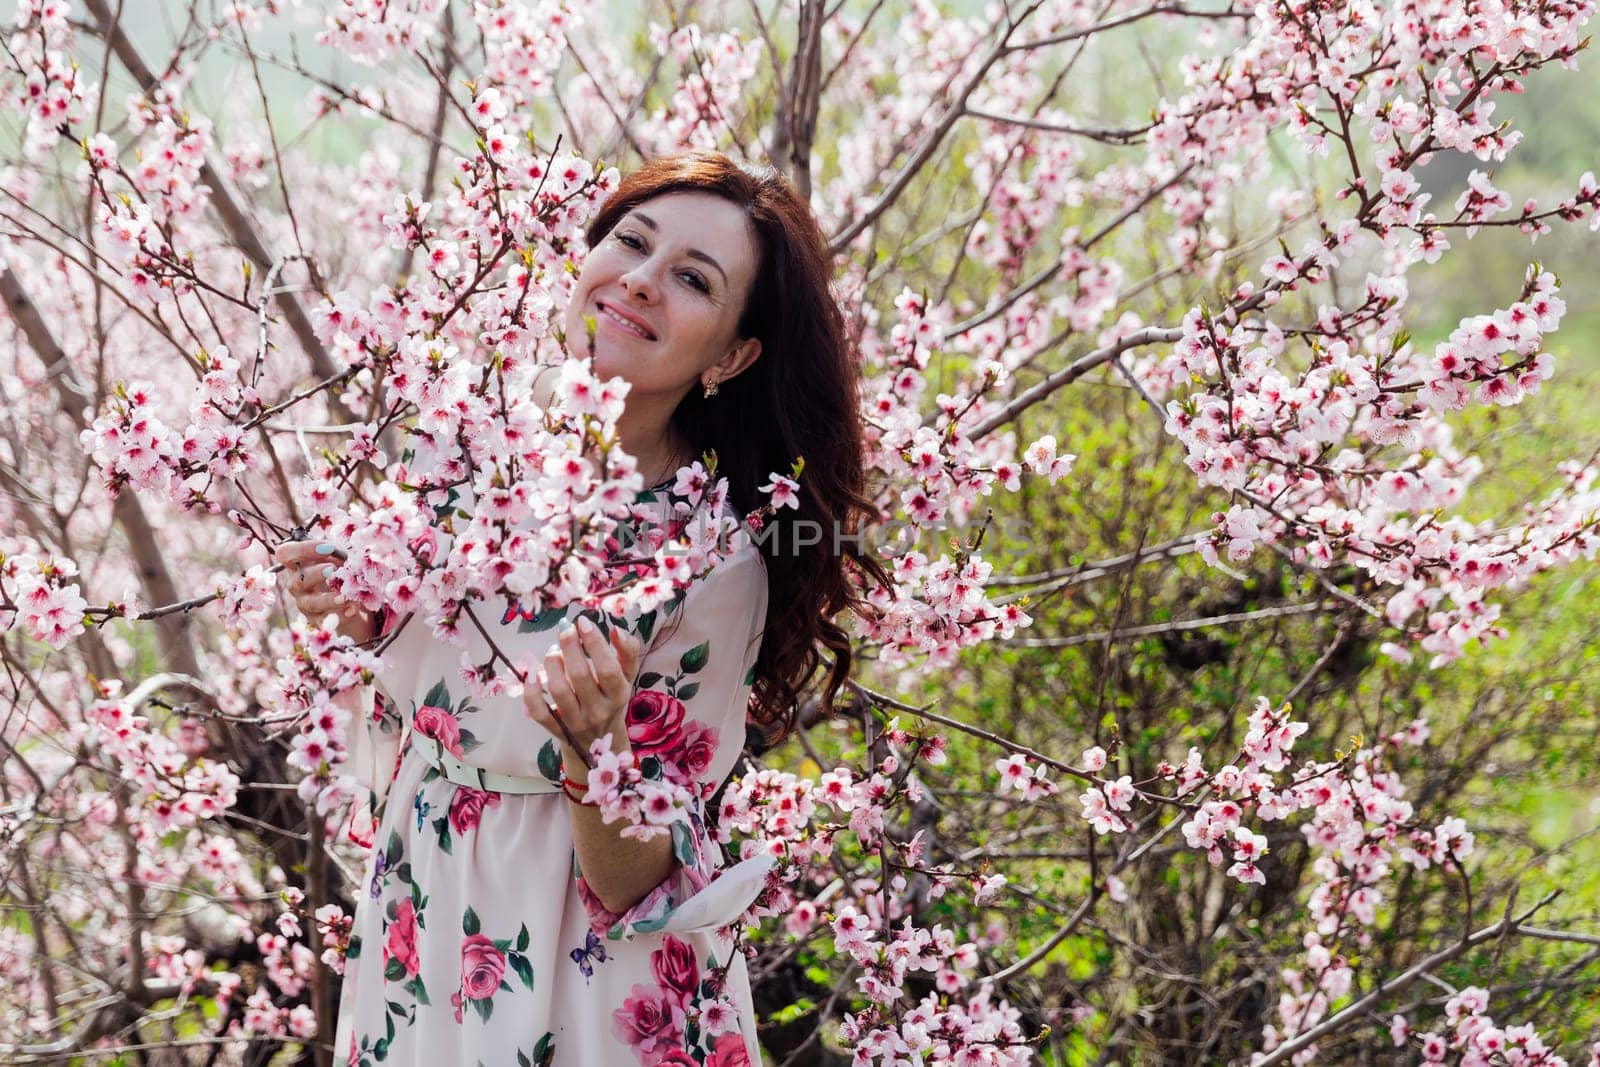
(472, 777)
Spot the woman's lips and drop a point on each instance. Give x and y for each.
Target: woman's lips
(625, 321)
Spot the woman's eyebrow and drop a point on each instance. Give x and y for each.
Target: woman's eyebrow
(694, 253)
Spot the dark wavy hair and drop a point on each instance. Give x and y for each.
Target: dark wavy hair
(798, 399)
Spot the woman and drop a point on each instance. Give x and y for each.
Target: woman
(505, 921)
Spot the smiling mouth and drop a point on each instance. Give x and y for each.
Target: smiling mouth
(626, 324)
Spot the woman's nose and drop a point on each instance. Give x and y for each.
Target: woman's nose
(639, 284)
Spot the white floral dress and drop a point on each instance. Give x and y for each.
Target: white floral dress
(475, 939)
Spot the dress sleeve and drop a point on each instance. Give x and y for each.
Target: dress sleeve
(372, 750)
(688, 711)
(373, 736)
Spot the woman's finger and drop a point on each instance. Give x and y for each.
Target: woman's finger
(296, 554)
(580, 672)
(610, 685)
(302, 586)
(558, 688)
(537, 703)
(628, 650)
(320, 604)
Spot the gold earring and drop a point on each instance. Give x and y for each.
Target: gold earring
(711, 389)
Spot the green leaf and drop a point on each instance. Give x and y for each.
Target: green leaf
(393, 850)
(418, 990)
(469, 922)
(394, 970)
(687, 692)
(683, 844)
(547, 619)
(524, 969)
(441, 826)
(550, 762)
(647, 626)
(403, 872)
(789, 1013)
(545, 1051)
(522, 938)
(695, 659)
(438, 696)
(440, 511)
(648, 680)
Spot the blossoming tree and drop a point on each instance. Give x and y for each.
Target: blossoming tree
(320, 306)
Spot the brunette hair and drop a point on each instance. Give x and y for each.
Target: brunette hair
(798, 399)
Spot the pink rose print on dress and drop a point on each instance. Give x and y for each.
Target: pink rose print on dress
(729, 1052)
(401, 943)
(698, 749)
(484, 961)
(482, 967)
(651, 1021)
(441, 725)
(676, 968)
(655, 722)
(676, 1058)
(439, 717)
(467, 807)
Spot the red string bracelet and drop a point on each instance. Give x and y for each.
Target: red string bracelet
(568, 786)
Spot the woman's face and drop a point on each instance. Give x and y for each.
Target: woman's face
(665, 289)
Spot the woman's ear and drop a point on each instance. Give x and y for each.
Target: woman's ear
(738, 358)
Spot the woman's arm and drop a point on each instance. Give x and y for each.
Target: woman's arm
(621, 871)
(589, 679)
(683, 706)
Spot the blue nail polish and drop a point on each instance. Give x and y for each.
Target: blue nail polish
(326, 549)
(327, 572)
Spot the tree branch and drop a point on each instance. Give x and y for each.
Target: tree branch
(226, 203)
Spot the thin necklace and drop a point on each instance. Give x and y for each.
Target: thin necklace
(671, 469)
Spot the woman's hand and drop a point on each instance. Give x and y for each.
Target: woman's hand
(306, 567)
(589, 680)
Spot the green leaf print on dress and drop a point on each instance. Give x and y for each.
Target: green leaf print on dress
(403, 918)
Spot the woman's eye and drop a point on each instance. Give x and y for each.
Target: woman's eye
(630, 240)
(695, 280)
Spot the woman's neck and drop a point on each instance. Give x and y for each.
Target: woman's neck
(658, 459)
